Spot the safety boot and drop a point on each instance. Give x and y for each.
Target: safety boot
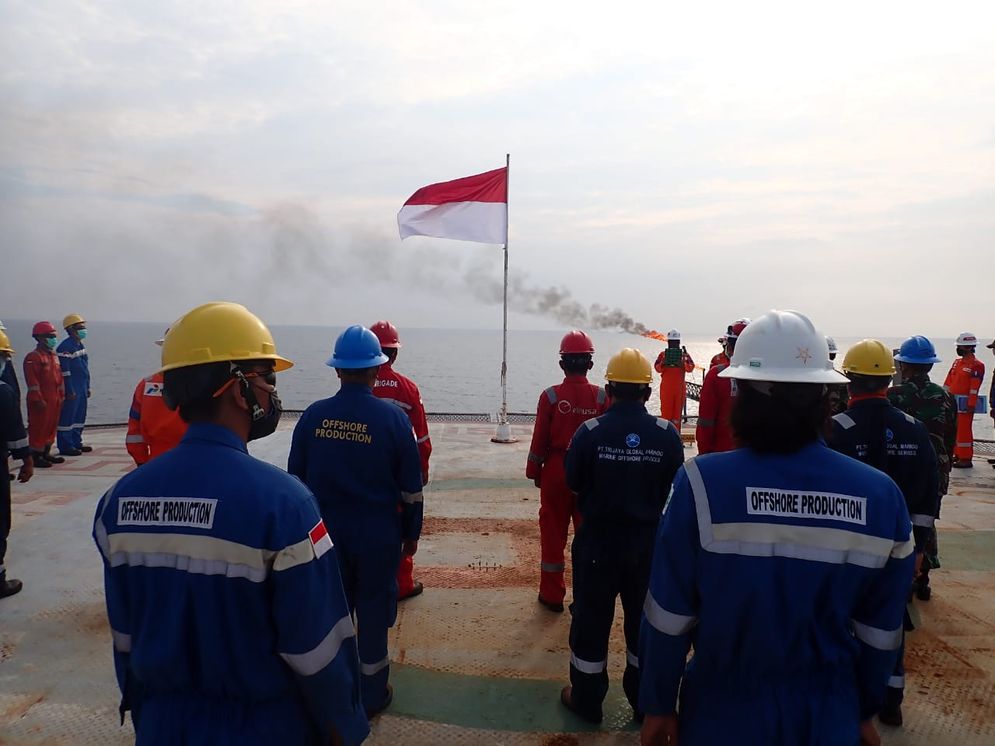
(40, 461)
(86, 449)
(566, 699)
(10, 587)
(50, 458)
(891, 715)
(554, 606)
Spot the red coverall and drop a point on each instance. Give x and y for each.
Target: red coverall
(153, 428)
(561, 410)
(714, 433)
(393, 387)
(45, 394)
(673, 392)
(964, 379)
(719, 359)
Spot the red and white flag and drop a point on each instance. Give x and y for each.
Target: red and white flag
(474, 208)
(320, 540)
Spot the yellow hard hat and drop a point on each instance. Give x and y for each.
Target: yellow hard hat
(629, 366)
(869, 357)
(5, 343)
(218, 332)
(73, 318)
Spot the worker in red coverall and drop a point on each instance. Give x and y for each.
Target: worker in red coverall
(153, 428)
(964, 380)
(45, 394)
(672, 364)
(402, 391)
(720, 358)
(714, 433)
(561, 410)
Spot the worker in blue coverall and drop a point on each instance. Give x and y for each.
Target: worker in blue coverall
(226, 607)
(13, 442)
(358, 455)
(621, 465)
(885, 437)
(784, 564)
(75, 363)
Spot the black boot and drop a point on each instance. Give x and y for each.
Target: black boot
(10, 587)
(52, 459)
(40, 461)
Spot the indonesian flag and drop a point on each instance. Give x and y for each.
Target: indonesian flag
(321, 542)
(474, 208)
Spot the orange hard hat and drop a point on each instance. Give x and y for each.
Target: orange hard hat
(42, 329)
(386, 332)
(576, 343)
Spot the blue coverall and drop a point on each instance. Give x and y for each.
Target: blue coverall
(229, 622)
(75, 363)
(13, 442)
(358, 455)
(885, 437)
(621, 466)
(788, 574)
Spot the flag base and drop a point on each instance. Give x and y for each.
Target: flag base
(503, 434)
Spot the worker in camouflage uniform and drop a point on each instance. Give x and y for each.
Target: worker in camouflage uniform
(937, 410)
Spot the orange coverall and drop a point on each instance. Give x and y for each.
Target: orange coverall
(964, 379)
(560, 411)
(400, 390)
(153, 428)
(673, 392)
(719, 359)
(45, 394)
(714, 433)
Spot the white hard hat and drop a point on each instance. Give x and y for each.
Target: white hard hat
(2, 327)
(673, 335)
(831, 344)
(785, 347)
(966, 339)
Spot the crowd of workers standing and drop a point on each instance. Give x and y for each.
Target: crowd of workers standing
(252, 603)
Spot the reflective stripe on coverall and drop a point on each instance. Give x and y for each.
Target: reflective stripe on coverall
(226, 608)
(964, 379)
(400, 390)
(44, 395)
(358, 455)
(153, 428)
(560, 411)
(788, 573)
(621, 466)
(75, 364)
(714, 433)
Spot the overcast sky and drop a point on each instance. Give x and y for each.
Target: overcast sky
(688, 165)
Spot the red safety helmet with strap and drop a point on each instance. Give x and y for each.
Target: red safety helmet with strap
(43, 329)
(387, 334)
(576, 343)
(736, 328)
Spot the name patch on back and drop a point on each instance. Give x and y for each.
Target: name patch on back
(191, 512)
(791, 504)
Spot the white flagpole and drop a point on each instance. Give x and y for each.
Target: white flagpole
(503, 434)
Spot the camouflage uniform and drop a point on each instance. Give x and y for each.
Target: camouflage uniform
(935, 408)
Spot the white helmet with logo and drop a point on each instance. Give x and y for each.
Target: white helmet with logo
(673, 336)
(782, 347)
(966, 339)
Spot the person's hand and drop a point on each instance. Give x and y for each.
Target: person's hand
(869, 735)
(409, 547)
(919, 559)
(659, 730)
(88, 392)
(70, 397)
(27, 470)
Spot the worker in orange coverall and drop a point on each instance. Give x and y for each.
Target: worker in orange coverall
(714, 433)
(672, 364)
(720, 358)
(153, 428)
(561, 410)
(964, 380)
(45, 394)
(402, 391)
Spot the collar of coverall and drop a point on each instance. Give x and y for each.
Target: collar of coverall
(857, 398)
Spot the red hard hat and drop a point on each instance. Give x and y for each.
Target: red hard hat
(736, 329)
(387, 334)
(43, 329)
(576, 343)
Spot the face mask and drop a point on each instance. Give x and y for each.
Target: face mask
(81, 333)
(263, 422)
(50, 342)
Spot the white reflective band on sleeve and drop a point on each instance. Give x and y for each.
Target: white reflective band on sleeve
(588, 666)
(966, 445)
(122, 642)
(13, 445)
(896, 682)
(401, 404)
(664, 424)
(64, 429)
(923, 521)
(423, 439)
(100, 529)
(882, 639)
(591, 424)
(296, 554)
(845, 420)
(134, 439)
(631, 658)
(551, 395)
(412, 497)
(371, 669)
(552, 567)
(667, 621)
(903, 549)
(198, 555)
(315, 660)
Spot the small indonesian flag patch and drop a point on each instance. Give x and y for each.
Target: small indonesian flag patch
(320, 539)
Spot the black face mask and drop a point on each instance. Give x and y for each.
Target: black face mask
(263, 422)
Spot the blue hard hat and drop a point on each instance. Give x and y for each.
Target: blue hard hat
(918, 350)
(357, 347)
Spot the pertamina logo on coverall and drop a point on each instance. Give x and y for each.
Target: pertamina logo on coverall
(190, 512)
(791, 504)
(355, 432)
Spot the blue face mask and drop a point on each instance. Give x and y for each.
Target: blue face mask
(50, 342)
(81, 333)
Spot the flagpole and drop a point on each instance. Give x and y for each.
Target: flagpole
(503, 434)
